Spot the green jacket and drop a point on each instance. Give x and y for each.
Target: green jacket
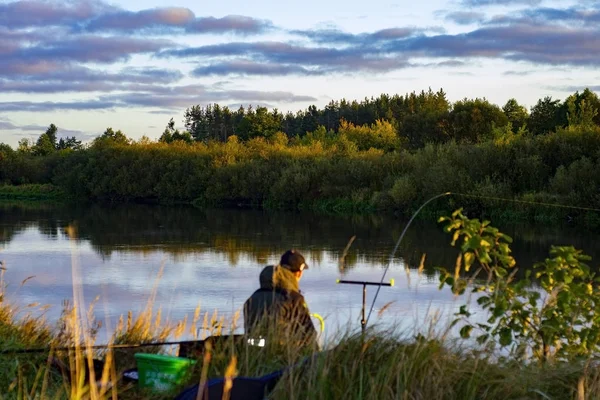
(279, 308)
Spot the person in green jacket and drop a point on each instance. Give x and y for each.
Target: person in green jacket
(278, 308)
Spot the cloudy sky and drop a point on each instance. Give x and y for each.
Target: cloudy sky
(132, 65)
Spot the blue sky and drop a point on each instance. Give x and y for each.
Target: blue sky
(133, 65)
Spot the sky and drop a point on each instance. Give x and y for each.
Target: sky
(87, 65)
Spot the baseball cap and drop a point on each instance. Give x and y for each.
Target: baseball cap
(293, 261)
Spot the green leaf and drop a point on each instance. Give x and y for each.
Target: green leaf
(483, 300)
(483, 338)
(505, 335)
(465, 331)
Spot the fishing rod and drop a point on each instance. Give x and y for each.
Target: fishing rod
(380, 284)
(129, 346)
(94, 347)
(396, 248)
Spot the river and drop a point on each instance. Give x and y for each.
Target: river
(212, 259)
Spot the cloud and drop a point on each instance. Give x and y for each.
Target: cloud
(516, 42)
(169, 98)
(185, 96)
(99, 16)
(248, 68)
(160, 112)
(229, 23)
(82, 79)
(91, 48)
(447, 63)
(31, 13)
(568, 15)
(29, 106)
(465, 17)
(289, 58)
(573, 17)
(484, 3)
(337, 36)
(62, 132)
(129, 21)
(518, 73)
(173, 20)
(31, 127)
(27, 130)
(7, 125)
(578, 88)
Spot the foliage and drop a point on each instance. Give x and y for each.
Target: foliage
(171, 134)
(380, 135)
(516, 114)
(327, 171)
(557, 321)
(545, 116)
(69, 143)
(110, 137)
(46, 143)
(473, 120)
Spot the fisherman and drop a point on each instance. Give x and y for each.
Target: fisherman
(278, 308)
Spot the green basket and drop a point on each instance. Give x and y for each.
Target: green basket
(161, 373)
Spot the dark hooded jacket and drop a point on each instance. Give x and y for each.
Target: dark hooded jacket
(279, 305)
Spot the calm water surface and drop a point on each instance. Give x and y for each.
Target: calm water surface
(213, 259)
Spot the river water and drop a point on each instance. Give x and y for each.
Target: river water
(212, 258)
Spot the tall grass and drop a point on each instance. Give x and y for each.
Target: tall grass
(377, 365)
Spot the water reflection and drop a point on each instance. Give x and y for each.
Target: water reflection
(214, 257)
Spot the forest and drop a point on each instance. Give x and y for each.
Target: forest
(386, 153)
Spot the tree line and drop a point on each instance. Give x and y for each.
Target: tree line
(354, 168)
(415, 119)
(419, 118)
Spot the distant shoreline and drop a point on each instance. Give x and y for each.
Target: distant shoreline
(48, 194)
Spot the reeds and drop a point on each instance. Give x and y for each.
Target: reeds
(376, 365)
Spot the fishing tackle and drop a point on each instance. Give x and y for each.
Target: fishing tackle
(363, 321)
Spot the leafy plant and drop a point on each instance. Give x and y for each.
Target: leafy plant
(549, 314)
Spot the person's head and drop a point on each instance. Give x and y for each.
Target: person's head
(295, 262)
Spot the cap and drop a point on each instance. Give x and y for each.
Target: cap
(293, 261)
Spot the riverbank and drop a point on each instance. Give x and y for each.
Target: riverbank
(531, 209)
(380, 365)
(43, 193)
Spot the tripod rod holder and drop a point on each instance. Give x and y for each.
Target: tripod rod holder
(365, 283)
(363, 321)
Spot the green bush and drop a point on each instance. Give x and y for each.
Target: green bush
(360, 168)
